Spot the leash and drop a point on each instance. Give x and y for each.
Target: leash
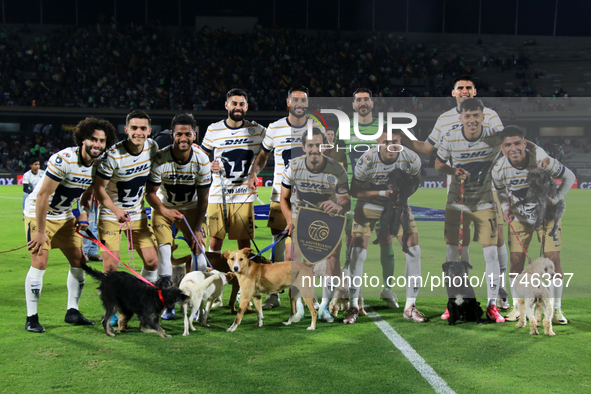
(129, 237)
(514, 232)
(281, 237)
(248, 232)
(90, 236)
(461, 241)
(235, 211)
(224, 192)
(12, 250)
(201, 248)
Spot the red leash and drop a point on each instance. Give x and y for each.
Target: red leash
(92, 238)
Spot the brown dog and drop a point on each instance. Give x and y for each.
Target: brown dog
(257, 279)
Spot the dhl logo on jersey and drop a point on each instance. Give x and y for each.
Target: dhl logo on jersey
(473, 155)
(136, 170)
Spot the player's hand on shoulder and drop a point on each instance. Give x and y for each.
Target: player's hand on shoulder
(543, 163)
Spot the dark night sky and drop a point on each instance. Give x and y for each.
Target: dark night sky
(536, 17)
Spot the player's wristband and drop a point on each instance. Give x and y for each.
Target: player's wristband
(382, 193)
(83, 222)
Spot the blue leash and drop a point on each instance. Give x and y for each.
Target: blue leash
(282, 236)
(201, 249)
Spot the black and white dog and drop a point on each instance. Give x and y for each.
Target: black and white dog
(462, 304)
(128, 295)
(396, 212)
(542, 186)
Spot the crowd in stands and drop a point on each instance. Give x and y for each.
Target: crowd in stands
(131, 66)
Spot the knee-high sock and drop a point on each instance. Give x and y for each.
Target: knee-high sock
(387, 260)
(279, 252)
(151, 276)
(412, 273)
(75, 284)
(327, 291)
(491, 257)
(358, 256)
(503, 261)
(558, 295)
(33, 286)
(164, 260)
(452, 252)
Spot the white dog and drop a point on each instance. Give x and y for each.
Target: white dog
(529, 296)
(201, 287)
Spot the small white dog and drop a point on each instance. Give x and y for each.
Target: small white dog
(529, 296)
(202, 288)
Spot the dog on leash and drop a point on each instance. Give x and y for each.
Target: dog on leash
(202, 288)
(128, 295)
(462, 304)
(542, 186)
(529, 296)
(257, 279)
(396, 211)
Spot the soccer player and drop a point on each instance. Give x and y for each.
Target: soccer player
(234, 142)
(31, 178)
(473, 149)
(464, 88)
(284, 137)
(510, 174)
(369, 187)
(120, 188)
(318, 181)
(178, 186)
(50, 223)
(368, 125)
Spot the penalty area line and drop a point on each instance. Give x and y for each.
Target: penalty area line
(428, 373)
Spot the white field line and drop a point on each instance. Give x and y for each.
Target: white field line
(438, 384)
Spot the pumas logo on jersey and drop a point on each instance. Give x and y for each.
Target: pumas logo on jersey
(131, 171)
(472, 155)
(331, 179)
(236, 141)
(251, 130)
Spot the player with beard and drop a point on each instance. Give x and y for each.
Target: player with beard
(50, 223)
(235, 142)
(464, 88)
(284, 137)
(120, 189)
(317, 181)
(510, 176)
(368, 125)
(178, 186)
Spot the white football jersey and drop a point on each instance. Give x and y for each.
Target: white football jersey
(237, 149)
(128, 174)
(475, 156)
(179, 181)
(508, 177)
(74, 178)
(312, 188)
(370, 168)
(450, 120)
(32, 179)
(286, 140)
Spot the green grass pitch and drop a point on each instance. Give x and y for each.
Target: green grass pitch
(491, 358)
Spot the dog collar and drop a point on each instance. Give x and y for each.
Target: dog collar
(161, 298)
